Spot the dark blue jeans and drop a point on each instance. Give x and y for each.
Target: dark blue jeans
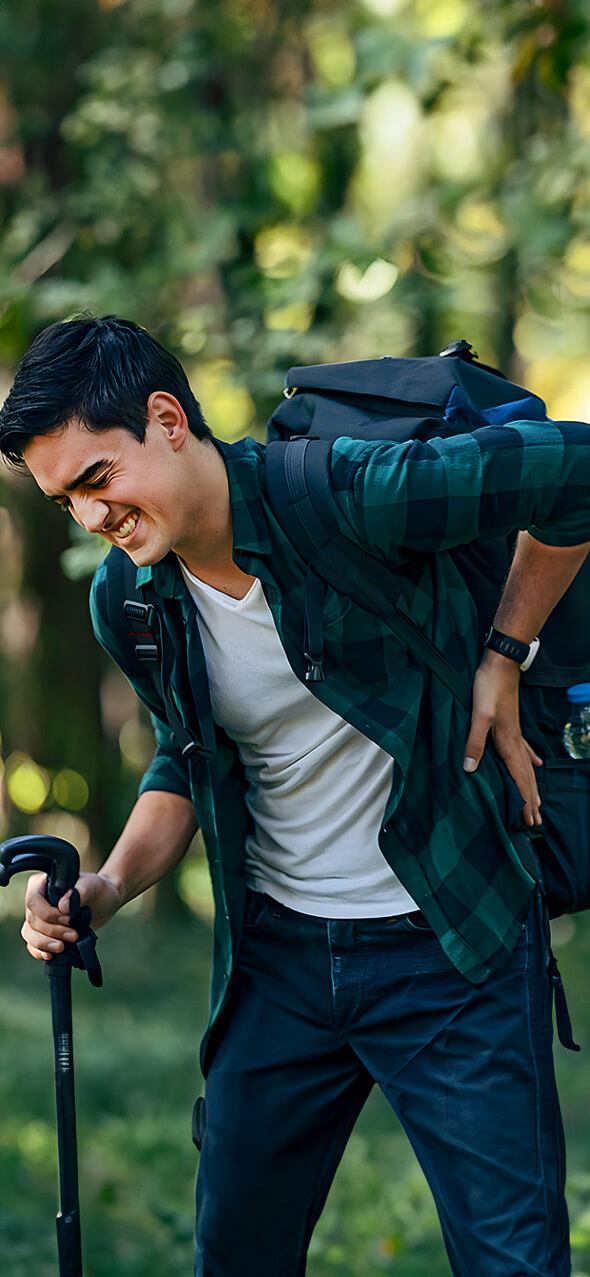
(322, 1011)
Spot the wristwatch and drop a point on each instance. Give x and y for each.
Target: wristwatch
(523, 653)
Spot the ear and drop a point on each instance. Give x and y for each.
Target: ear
(166, 412)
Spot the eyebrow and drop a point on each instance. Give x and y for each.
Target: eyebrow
(82, 478)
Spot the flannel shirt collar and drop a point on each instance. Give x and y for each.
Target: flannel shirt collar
(243, 462)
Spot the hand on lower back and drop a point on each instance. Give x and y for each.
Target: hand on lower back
(495, 713)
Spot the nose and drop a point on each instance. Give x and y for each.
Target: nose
(89, 511)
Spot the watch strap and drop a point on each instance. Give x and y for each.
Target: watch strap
(514, 649)
(533, 649)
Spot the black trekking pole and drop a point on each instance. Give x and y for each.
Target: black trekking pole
(60, 861)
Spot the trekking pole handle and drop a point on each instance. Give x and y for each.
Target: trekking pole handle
(53, 856)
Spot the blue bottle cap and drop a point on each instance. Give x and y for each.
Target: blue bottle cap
(579, 694)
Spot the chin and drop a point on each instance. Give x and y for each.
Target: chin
(144, 557)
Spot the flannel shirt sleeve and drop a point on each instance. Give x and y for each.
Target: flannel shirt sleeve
(167, 770)
(424, 497)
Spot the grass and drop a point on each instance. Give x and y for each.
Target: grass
(136, 1043)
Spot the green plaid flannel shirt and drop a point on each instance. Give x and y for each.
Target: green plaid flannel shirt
(445, 833)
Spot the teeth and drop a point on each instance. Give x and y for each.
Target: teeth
(127, 527)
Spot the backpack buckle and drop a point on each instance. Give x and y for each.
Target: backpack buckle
(147, 652)
(459, 350)
(315, 669)
(143, 612)
(194, 747)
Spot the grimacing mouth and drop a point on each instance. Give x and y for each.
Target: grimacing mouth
(126, 526)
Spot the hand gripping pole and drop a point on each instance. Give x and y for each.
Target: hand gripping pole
(60, 861)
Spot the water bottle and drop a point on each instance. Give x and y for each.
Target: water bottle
(576, 733)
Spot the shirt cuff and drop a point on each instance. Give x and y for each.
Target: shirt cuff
(560, 537)
(167, 774)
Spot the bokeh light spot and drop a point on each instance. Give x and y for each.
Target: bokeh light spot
(70, 789)
(369, 285)
(28, 784)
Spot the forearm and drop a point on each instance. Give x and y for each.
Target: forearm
(154, 840)
(539, 576)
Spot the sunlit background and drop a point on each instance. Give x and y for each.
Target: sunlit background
(262, 183)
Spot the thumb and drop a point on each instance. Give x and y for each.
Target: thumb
(65, 903)
(476, 742)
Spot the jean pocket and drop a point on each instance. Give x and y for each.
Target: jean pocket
(417, 922)
(258, 906)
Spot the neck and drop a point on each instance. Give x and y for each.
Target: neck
(208, 552)
(228, 579)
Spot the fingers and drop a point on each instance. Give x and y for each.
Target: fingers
(476, 741)
(38, 953)
(45, 929)
(33, 939)
(518, 758)
(531, 812)
(44, 940)
(495, 710)
(538, 762)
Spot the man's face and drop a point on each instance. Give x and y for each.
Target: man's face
(136, 495)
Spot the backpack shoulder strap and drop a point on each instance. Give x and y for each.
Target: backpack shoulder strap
(300, 494)
(133, 617)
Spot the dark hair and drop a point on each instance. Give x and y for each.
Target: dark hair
(100, 371)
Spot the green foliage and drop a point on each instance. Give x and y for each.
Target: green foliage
(447, 138)
(83, 555)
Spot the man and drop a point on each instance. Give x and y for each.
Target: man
(375, 921)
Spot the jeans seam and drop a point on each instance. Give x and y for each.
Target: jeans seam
(541, 918)
(332, 978)
(526, 976)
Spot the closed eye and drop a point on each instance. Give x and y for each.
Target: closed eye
(64, 504)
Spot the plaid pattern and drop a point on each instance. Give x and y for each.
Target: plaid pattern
(444, 833)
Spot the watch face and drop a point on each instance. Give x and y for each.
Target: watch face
(533, 649)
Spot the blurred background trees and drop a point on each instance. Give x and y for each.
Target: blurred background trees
(260, 183)
(263, 184)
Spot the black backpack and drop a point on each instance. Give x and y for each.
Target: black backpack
(424, 398)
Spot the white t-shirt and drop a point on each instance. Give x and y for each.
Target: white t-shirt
(316, 787)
